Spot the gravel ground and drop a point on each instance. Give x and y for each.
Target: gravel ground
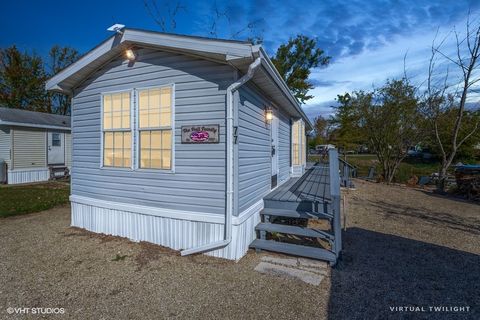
(402, 247)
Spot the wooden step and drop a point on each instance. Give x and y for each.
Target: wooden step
(294, 249)
(295, 214)
(295, 230)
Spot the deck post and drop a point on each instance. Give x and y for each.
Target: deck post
(334, 172)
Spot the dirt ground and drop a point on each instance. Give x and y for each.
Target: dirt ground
(403, 247)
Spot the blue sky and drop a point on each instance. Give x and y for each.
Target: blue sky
(366, 39)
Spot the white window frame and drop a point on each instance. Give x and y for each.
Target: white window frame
(171, 127)
(131, 130)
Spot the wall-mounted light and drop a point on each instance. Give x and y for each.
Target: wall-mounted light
(130, 54)
(268, 114)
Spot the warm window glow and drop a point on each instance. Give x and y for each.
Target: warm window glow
(295, 144)
(155, 126)
(298, 143)
(116, 130)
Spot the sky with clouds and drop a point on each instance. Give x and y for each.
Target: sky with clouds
(367, 40)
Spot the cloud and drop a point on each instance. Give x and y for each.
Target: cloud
(323, 109)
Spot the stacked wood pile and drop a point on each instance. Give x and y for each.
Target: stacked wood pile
(468, 181)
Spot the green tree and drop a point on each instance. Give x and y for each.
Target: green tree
(59, 59)
(22, 79)
(294, 61)
(320, 125)
(388, 118)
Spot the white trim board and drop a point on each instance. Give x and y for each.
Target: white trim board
(169, 213)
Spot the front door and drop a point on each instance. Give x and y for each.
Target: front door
(274, 136)
(56, 148)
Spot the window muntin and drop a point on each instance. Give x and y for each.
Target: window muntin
(117, 136)
(155, 128)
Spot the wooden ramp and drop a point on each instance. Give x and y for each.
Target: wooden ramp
(289, 208)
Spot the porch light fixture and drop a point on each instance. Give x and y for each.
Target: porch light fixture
(130, 55)
(268, 114)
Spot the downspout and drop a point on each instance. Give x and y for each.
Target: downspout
(230, 166)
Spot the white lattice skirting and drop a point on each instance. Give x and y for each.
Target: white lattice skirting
(170, 228)
(28, 175)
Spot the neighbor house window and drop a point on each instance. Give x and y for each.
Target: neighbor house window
(117, 136)
(155, 128)
(56, 141)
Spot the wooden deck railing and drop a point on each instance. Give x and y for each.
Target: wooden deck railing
(334, 172)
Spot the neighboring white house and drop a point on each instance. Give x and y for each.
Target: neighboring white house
(31, 143)
(177, 139)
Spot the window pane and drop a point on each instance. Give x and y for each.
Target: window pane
(156, 159)
(145, 158)
(166, 159)
(118, 157)
(166, 98)
(154, 101)
(126, 101)
(127, 140)
(145, 139)
(107, 120)
(143, 99)
(116, 102)
(166, 119)
(107, 103)
(154, 119)
(167, 139)
(108, 142)
(108, 158)
(143, 119)
(117, 120)
(125, 121)
(156, 139)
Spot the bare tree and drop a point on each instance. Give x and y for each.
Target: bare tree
(164, 13)
(444, 96)
(250, 30)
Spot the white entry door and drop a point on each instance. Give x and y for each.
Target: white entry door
(56, 148)
(274, 136)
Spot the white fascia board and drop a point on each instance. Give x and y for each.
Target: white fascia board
(133, 37)
(270, 68)
(94, 54)
(32, 125)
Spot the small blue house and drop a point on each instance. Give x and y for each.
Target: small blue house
(177, 139)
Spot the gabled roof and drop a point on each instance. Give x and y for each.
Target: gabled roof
(236, 53)
(24, 118)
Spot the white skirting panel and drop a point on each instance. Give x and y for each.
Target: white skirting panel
(28, 175)
(297, 171)
(177, 234)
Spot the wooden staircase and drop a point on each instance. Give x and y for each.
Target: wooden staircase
(290, 209)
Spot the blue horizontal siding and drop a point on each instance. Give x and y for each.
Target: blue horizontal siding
(198, 183)
(254, 149)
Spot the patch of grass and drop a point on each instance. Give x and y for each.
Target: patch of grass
(119, 257)
(15, 200)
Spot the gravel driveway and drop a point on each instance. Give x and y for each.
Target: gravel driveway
(402, 247)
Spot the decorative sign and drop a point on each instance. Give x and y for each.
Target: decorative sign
(201, 134)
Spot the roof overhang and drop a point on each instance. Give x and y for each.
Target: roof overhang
(236, 53)
(32, 125)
